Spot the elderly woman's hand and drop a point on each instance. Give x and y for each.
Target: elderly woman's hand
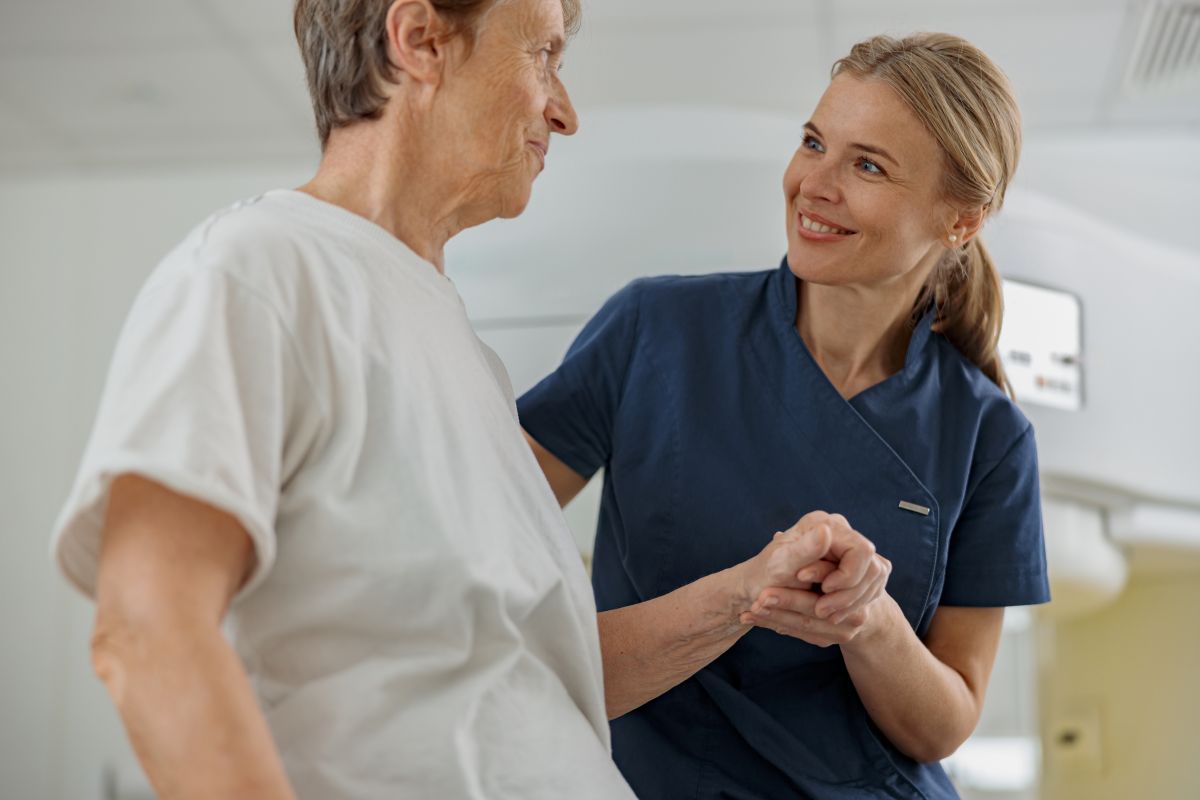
(783, 559)
(790, 561)
(850, 574)
(792, 612)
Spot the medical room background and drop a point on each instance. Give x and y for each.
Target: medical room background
(125, 122)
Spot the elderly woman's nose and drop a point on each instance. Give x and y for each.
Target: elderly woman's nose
(560, 113)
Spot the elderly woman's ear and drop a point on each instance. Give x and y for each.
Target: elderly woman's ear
(417, 38)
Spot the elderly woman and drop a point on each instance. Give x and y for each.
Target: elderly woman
(301, 428)
(861, 376)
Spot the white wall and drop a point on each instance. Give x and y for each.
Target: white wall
(1140, 329)
(1125, 678)
(1134, 181)
(673, 193)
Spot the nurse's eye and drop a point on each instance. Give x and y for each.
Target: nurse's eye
(810, 143)
(870, 167)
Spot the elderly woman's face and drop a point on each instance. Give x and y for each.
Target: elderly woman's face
(504, 102)
(864, 191)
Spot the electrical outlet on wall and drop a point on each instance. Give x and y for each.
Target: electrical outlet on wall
(1075, 739)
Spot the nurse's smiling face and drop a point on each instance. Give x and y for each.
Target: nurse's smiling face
(865, 204)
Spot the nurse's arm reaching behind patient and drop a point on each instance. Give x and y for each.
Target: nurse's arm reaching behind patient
(651, 647)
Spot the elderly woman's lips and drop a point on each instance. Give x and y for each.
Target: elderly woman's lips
(540, 149)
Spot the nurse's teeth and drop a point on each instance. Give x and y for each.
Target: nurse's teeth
(818, 227)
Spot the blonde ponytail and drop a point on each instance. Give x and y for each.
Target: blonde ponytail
(968, 293)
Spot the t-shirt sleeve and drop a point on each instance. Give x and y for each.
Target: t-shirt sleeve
(572, 412)
(997, 553)
(201, 397)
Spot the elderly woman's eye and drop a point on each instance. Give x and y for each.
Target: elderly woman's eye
(552, 60)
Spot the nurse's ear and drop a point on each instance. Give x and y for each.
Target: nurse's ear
(965, 226)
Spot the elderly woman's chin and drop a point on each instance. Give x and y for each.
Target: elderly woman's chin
(515, 199)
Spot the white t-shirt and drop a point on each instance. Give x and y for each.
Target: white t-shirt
(419, 623)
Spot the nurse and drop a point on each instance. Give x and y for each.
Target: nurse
(860, 377)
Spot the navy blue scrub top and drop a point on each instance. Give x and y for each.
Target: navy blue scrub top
(718, 428)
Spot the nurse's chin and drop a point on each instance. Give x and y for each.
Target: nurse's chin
(828, 273)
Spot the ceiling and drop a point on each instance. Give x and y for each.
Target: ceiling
(131, 83)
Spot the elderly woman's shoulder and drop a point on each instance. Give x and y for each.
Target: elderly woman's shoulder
(249, 226)
(256, 247)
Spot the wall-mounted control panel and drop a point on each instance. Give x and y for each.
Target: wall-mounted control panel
(1041, 345)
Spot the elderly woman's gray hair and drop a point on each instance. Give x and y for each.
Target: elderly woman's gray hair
(345, 52)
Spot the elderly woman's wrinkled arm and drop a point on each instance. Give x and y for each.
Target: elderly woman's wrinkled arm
(650, 647)
(169, 567)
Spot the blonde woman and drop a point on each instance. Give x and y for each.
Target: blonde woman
(861, 377)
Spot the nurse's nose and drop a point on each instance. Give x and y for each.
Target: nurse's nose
(822, 183)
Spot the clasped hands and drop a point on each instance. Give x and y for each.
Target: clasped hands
(817, 581)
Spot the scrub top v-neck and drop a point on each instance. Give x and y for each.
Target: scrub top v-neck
(717, 428)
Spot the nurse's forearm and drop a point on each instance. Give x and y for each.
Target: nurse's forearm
(653, 646)
(925, 707)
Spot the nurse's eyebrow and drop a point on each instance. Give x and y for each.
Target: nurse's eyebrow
(866, 148)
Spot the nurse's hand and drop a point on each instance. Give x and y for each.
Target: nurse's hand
(792, 612)
(850, 573)
(823, 549)
(822, 619)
